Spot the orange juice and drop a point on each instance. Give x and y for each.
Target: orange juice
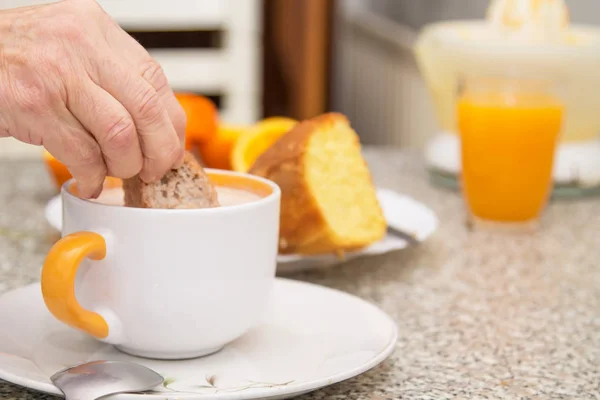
(508, 146)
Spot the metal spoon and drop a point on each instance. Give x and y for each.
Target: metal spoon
(408, 237)
(102, 378)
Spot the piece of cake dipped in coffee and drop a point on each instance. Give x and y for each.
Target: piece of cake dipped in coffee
(186, 187)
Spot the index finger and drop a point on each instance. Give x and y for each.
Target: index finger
(138, 58)
(161, 147)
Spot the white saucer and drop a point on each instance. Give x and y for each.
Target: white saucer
(311, 337)
(402, 213)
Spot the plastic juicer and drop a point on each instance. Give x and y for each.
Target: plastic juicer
(526, 41)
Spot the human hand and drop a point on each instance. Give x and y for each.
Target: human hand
(74, 82)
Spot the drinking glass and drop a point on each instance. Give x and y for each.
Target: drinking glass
(509, 130)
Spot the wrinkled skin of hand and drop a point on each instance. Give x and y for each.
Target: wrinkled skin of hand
(73, 81)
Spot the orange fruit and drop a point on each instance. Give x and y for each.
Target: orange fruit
(216, 152)
(256, 140)
(57, 170)
(202, 118)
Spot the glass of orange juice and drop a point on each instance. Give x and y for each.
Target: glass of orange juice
(509, 130)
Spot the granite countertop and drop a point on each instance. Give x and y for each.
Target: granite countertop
(480, 316)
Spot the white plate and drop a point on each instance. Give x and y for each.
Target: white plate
(402, 213)
(311, 337)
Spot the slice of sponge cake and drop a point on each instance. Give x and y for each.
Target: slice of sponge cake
(328, 201)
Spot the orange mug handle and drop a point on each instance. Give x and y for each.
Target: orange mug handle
(58, 281)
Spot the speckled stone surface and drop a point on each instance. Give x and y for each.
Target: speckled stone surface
(480, 315)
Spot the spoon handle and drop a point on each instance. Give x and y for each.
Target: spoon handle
(410, 238)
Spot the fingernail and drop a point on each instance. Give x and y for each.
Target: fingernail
(144, 178)
(97, 193)
(83, 192)
(149, 179)
(88, 192)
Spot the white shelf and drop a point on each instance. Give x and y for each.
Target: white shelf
(197, 70)
(163, 14)
(156, 14)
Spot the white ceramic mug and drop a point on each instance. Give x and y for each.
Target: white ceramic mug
(166, 284)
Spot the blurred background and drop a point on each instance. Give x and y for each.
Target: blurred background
(298, 58)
